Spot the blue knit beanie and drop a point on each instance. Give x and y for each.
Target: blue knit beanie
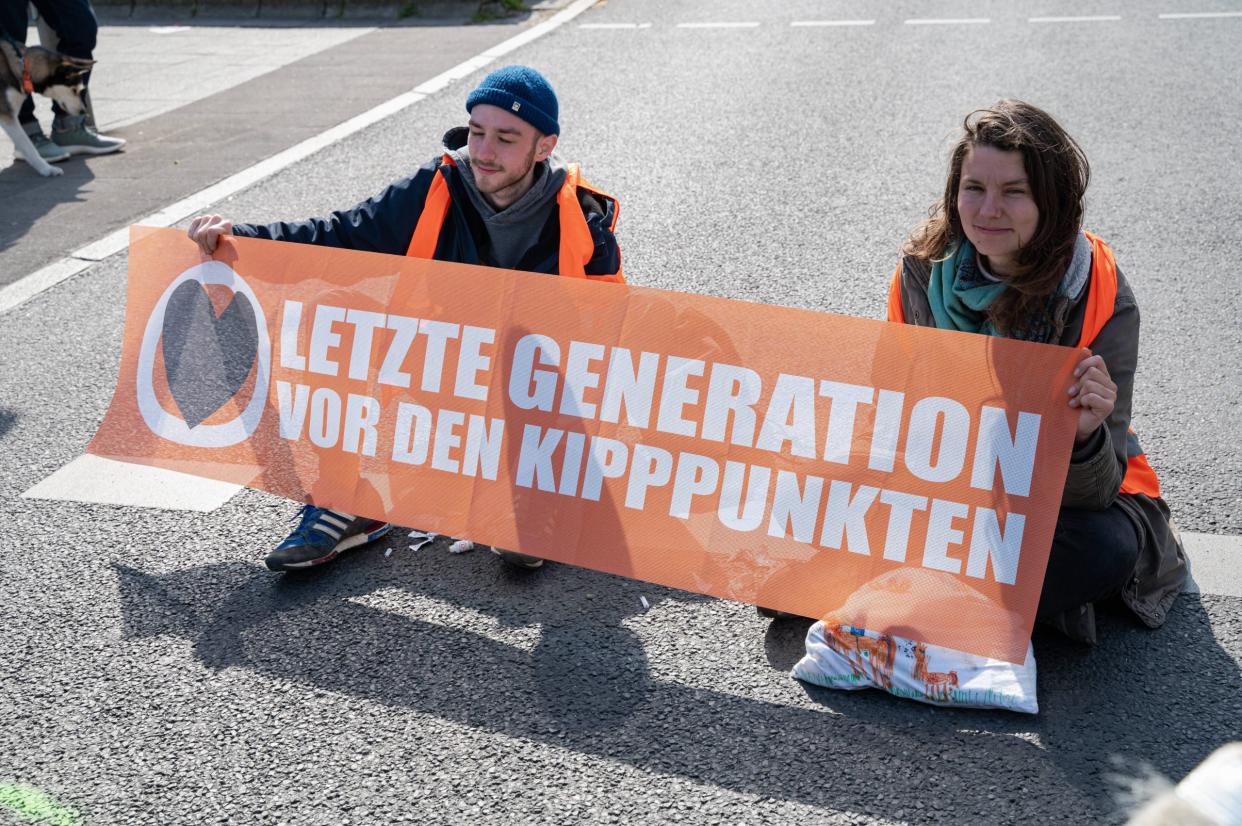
(522, 91)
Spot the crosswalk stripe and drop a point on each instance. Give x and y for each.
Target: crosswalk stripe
(1215, 559)
(96, 480)
(1215, 564)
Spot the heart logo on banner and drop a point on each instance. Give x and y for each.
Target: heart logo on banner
(206, 358)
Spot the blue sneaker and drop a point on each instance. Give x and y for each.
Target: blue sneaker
(321, 535)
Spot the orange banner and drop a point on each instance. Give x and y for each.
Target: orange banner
(782, 457)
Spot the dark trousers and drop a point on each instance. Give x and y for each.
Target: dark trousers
(74, 23)
(1093, 556)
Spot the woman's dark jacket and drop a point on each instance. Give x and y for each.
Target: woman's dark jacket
(1098, 467)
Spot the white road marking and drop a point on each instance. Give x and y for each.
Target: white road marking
(56, 272)
(31, 285)
(1215, 559)
(96, 480)
(1199, 15)
(947, 21)
(833, 23)
(614, 25)
(122, 102)
(1090, 18)
(43, 279)
(1215, 564)
(747, 24)
(440, 81)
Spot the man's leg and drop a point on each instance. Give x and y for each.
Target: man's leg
(77, 29)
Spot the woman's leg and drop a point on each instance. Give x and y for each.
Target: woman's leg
(1093, 556)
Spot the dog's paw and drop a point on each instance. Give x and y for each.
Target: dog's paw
(51, 171)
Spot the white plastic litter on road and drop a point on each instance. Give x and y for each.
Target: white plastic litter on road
(461, 546)
(423, 538)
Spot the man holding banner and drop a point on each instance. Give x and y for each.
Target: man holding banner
(497, 197)
(661, 436)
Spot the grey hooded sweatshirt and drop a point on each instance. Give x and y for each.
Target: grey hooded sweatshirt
(514, 229)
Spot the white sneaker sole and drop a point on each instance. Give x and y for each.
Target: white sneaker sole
(17, 155)
(78, 149)
(344, 545)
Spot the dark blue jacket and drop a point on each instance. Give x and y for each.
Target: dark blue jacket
(386, 224)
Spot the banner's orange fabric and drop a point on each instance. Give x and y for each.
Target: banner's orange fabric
(777, 456)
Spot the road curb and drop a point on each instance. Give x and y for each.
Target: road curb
(413, 12)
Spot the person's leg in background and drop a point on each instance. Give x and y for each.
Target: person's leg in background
(76, 30)
(13, 22)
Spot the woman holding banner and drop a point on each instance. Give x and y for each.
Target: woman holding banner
(1003, 253)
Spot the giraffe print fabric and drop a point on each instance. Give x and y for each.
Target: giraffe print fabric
(846, 657)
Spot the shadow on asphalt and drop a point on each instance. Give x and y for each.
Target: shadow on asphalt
(27, 196)
(8, 418)
(1166, 698)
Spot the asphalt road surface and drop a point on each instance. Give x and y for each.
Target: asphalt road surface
(153, 672)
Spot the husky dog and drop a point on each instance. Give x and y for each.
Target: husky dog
(34, 69)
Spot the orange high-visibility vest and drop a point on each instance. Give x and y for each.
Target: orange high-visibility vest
(1101, 296)
(576, 248)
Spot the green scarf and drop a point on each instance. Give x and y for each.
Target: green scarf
(959, 294)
